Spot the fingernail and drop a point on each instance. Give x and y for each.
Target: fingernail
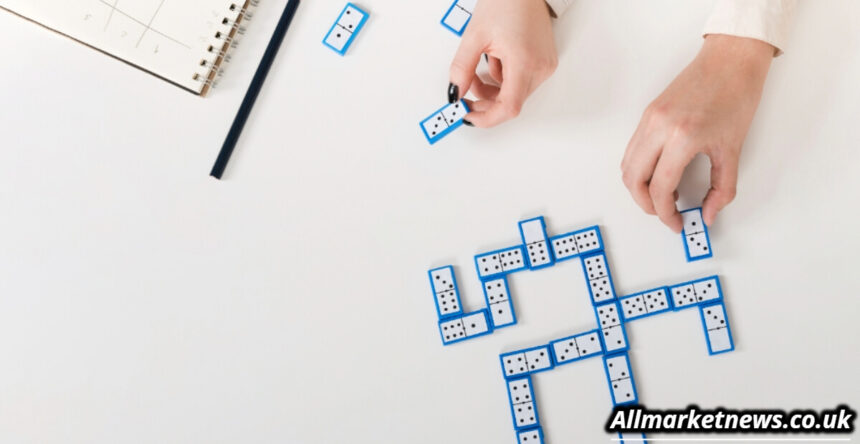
(467, 123)
(453, 93)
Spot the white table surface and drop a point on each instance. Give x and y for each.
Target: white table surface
(142, 301)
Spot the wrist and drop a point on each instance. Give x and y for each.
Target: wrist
(749, 56)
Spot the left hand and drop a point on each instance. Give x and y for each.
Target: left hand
(707, 109)
(516, 36)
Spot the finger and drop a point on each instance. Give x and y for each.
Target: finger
(724, 180)
(507, 105)
(677, 195)
(494, 66)
(463, 66)
(667, 176)
(638, 165)
(482, 90)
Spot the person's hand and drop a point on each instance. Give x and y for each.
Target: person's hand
(707, 109)
(517, 37)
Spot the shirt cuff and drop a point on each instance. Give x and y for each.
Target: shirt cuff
(765, 20)
(559, 6)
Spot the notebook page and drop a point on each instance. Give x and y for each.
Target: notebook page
(170, 38)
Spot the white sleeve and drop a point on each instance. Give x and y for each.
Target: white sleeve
(559, 6)
(765, 20)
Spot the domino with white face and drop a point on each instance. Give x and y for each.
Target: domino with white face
(464, 326)
(657, 300)
(530, 436)
(514, 364)
(447, 295)
(589, 344)
(707, 289)
(520, 390)
(612, 330)
(539, 359)
(564, 350)
(500, 262)
(646, 303)
(502, 314)
(620, 378)
(683, 295)
(599, 278)
(697, 242)
(608, 315)
(341, 35)
(476, 324)
(614, 339)
(525, 415)
(528, 361)
(458, 16)
(496, 290)
(564, 246)
(589, 240)
(693, 221)
(569, 245)
(454, 112)
(522, 401)
(698, 246)
(499, 302)
(452, 331)
(595, 266)
(633, 307)
(717, 330)
(576, 347)
(698, 292)
(443, 121)
(533, 232)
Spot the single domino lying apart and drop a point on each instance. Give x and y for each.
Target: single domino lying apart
(717, 330)
(697, 243)
(444, 120)
(458, 16)
(345, 28)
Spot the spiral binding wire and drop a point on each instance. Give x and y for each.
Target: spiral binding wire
(225, 39)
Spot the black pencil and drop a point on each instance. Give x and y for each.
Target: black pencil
(254, 89)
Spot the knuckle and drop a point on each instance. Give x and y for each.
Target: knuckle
(731, 192)
(657, 190)
(511, 109)
(627, 179)
(656, 112)
(548, 65)
(685, 129)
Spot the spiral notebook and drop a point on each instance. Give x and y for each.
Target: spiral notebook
(181, 41)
